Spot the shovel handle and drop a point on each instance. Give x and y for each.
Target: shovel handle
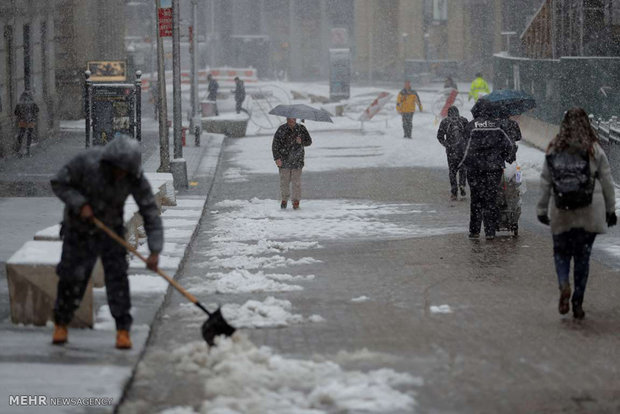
(160, 272)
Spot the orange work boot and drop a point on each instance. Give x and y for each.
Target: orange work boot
(123, 341)
(60, 334)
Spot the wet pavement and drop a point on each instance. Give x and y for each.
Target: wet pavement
(501, 346)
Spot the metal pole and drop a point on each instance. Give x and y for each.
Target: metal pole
(178, 165)
(164, 140)
(87, 107)
(176, 81)
(138, 93)
(194, 47)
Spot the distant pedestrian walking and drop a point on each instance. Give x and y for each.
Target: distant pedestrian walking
(580, 208)
(289, 154)
(406, 102)
(478, 86)
(212, 88)
(486, 150)
(239, 94)
(26, 112)
(451, 135)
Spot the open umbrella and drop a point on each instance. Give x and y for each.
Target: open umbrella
(301, 111)
(507, 102)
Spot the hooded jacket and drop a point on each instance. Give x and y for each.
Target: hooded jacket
(26, 109)
(239, 91)
(447, 130)
(88, 179)
(212, 88)
(286, 148)
(477, 86)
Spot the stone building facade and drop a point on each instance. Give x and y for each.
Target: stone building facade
(27, 61)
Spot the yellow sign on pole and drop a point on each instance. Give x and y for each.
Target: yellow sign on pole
(107, 71)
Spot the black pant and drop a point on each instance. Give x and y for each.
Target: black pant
(407, 123)
(238, 106)
(574, 244)
(453, 167)
(79, 254)
(484, 186)
(20, 138)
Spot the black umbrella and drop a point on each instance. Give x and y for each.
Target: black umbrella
(301, 111)
(506, 102)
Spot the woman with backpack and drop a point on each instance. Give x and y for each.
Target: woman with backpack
(576, 172)
(451, 135)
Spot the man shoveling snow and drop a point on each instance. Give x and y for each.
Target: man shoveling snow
(96, 183)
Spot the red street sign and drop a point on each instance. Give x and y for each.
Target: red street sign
(165, 22)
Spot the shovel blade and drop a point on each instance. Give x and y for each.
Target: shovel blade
(214, 326)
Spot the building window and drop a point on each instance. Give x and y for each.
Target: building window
(440, 10)
(27, 56)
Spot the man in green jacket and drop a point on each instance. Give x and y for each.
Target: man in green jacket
(477, 86)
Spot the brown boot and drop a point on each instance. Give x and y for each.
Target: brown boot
(60, 335)
(123, 341)
(564, 305)
(295, 204)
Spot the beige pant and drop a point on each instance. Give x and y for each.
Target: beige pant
(288, 177)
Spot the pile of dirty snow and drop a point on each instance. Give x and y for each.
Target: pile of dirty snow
(240, 377)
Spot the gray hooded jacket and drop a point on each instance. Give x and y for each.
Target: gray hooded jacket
(88, 179)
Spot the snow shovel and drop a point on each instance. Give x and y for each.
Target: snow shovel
(214, 326)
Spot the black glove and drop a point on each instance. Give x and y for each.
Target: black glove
(544, 219)
(612, 219)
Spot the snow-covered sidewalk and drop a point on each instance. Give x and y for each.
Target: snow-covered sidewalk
(89, 366)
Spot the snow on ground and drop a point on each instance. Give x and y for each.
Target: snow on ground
(258, 219)
(244, 281)
(346, 144)
(257, 248)
(441, 309)
(240, 377)
(360, 299)
(270, 313)
(256, 262)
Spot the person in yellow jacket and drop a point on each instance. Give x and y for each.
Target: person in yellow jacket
(406, 101)
(477, 86)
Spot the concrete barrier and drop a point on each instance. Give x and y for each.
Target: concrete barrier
(32, 280)
(230, 127)
(52, 233)
(536, 132)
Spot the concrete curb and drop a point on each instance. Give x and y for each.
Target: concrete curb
(170, 291)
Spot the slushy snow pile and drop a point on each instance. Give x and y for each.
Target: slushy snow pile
(441, 309)
(270, 313)
(244, 281)
(256, 262)
(242, 378)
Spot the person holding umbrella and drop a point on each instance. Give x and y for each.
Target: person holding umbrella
(288, 154)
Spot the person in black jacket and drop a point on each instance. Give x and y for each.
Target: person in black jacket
(451, 134)
(212, 87)
(96, 183)
(487, 148)
(26, 112)
(288, 153)
(239, 94)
